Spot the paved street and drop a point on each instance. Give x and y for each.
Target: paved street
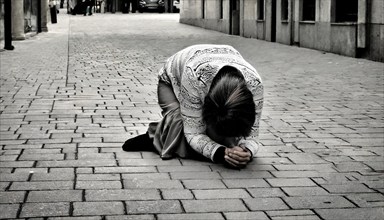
(70, 97)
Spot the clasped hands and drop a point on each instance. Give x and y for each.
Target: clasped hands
(237, 156)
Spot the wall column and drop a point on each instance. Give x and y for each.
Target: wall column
(44, 15)
(18, 20)
(296, 19)
(361, 23)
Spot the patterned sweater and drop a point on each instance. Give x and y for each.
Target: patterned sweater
(190, 72)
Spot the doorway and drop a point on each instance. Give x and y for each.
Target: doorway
(234, 18)
(273, 22)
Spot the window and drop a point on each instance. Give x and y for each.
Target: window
(346, 10)
(260, 10)
(203, 9)
(221, 9)
(284, 10)
(309, 10)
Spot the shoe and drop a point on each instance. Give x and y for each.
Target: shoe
(139, 143)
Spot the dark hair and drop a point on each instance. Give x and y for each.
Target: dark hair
(228, 107)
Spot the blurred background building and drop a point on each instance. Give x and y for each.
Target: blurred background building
(348, 27)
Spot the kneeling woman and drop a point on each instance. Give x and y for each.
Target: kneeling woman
(212, 101)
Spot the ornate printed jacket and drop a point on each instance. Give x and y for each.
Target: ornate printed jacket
(190, 72)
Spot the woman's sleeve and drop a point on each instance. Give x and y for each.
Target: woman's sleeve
(191, 110)
(252, 142)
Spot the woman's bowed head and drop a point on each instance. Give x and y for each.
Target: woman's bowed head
(229, 113)
(211, 101)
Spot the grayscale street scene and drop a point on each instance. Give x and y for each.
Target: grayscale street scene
(70, 97)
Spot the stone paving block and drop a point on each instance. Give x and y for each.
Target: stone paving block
(203, 184)
(221, 194)
(245, 174)
(318, 202)
(176, 194)
(189, 216)
(55, 196)
(265, 192)
(77, 163)
(18, 143)
(375, 165)
(295, 174)
(376, 158)
(153, 176)
(245, 216)
(8, 157)
(50, 141)
(87, 140)
(12, 197)
(98, 185)
(241, 183)
(351, 166)
(305, 191)
(30, 170)
(123, 155)
(76, 218)
(263, 204)
(303, 212)
(188, 162)
(14, 177)
(82, 170)
(41, 151)
(228, 205)
(16, 163)
(367, 199)
(97, 177)
(283, 182)
(8, 211)
(25, 147)
(149, 162)
(52, 176)
(183, 168)
(6, 170)
(40, 185)
(131, 217)
(54, 147)
(98, 208)
(121, 194)
(271, 160)
(35, 135)
(352, 214)
(347, 188)
(146, 169)
(305, 167)
(156, 207)
(94, 156)
(152, 183)
(44, 209)
(301, 217)
(194, 175)
(376, 185)
(335, 178)
(11, 152)
(279, 148)
(254, 167)
(303, 158)
(66, 135)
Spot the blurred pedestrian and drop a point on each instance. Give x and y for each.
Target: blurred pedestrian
(212, 101)
(88, 5)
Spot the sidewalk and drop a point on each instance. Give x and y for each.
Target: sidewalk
(69, 98)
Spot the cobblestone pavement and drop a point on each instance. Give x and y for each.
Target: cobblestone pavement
(72, 96)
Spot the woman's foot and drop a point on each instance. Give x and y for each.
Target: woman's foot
(139, 143)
